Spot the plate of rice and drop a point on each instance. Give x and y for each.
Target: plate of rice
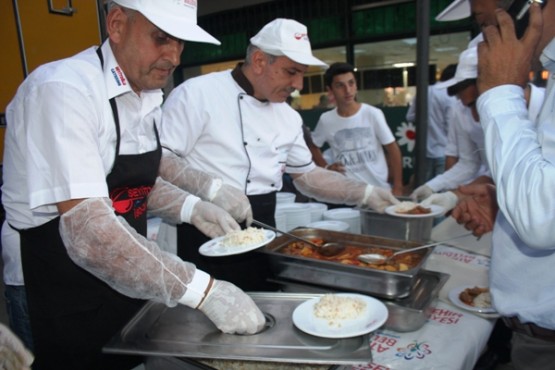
(472, 298)
(237, 242)
(340, 315)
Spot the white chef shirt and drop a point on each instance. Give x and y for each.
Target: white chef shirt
(61, 137)
(520, 156)
(357, 142)
(214, 125)
(439, 109)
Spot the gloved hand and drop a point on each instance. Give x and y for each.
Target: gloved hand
(231, 310)
(378, 198)
(212, 220)
(235, 202)
(13, 355)
(447, 200)
(421, 192)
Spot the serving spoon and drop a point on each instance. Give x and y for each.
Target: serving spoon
(380, 259)
(327, 249)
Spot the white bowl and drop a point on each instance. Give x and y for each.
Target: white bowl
(317, 211)
(348, 215)
(330, 225)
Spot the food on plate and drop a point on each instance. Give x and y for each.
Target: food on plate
(411, 208)
(476, 297)
(242, 238)
(334, 308)
(349, 256)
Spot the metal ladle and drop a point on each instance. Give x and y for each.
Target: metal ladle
(327, 249)
(380, 259)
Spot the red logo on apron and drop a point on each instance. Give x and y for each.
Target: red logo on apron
(125, 200)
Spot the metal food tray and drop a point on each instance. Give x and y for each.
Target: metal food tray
(405, 314)
(157, 330)
(386, 284)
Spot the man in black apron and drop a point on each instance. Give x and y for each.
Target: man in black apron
(87, 271)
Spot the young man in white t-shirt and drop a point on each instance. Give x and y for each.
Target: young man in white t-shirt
(358, 134)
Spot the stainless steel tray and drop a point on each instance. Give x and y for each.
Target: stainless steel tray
(336, 275)
(405, 314)
(180, 331)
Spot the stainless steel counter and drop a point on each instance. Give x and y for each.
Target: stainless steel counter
(183, 332)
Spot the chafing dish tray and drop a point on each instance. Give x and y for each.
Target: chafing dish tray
(157, 330)
(405, 314)
(387, 284)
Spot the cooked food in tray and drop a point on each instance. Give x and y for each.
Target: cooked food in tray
(411, 208)
(349, 256)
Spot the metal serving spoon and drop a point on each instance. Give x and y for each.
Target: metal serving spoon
(380, 259)
(326, 249)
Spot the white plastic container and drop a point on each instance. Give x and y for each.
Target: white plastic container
(285, 197)
(296, 214)
(317, 211)
(330, 225)
(348, 215)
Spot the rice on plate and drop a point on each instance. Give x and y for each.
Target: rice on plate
(335, 308)
(241, 238)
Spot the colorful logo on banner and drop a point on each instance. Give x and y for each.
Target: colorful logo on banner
(414, 350)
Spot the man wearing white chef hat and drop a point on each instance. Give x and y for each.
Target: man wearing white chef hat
(237, 124)
(81, 165)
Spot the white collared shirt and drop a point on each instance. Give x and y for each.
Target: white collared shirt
(523, 167)
(61, 136)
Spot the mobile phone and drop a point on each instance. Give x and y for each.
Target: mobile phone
(519, 12)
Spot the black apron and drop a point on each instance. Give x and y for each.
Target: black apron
(249, 271)
(73, 313)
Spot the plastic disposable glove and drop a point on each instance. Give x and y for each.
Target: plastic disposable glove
(106, 246)
(421, 192)
(176, 206)
(447, 200)
(378, 198)
(332, 187)
(235, 202)
(180, 173)
(208, 187)
(212, 220)
(231, 310)
(13, 355)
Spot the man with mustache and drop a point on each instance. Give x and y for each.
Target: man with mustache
(81, 163)
(237, 125)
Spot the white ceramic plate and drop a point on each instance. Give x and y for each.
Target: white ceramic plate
(374, 316)
(436, 211)
(214, 247)
(454, 298)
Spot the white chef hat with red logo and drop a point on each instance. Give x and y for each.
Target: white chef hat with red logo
(286, 37)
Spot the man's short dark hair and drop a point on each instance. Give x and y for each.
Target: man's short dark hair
(455, 89)
(337, 69)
